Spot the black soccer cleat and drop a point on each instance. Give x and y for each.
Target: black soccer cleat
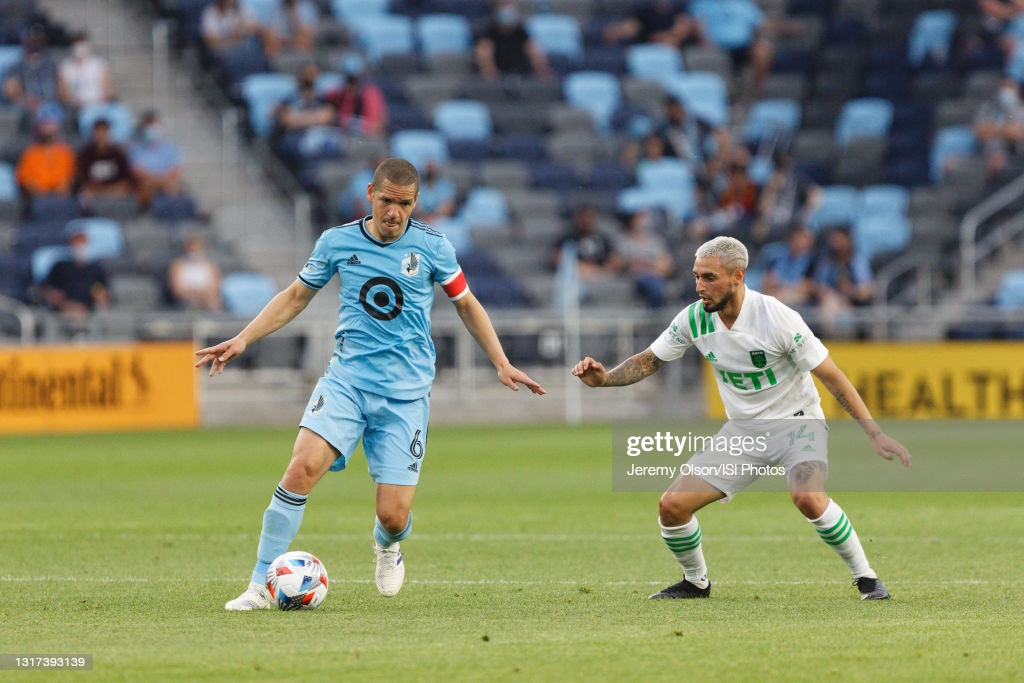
(871, 589)
(681, 591)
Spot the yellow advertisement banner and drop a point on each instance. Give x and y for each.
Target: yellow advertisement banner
(97, 388)
(922, 380)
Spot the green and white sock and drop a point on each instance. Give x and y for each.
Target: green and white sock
(834, 528)
(684, 543)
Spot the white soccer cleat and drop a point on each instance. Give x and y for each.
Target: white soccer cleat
(390, 569)
(256, 596)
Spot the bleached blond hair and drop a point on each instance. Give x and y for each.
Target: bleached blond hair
(729, 249)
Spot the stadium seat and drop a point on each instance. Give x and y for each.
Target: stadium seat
(263, 92)
(884, 200)
(136, 291)
(419, 146)
(8, 183)
(667, 171)
(864, 117)
(456, 229)
(9, 56)
(463, 120)
(263, 10)
(119, 115)
(772, 117)
(704, 93)
(328, 81)
(1010, 292)
(931, 38)
(950, 142)
(440, 34)
(54, 208)
(384, 35)
(679, 205)
(557, 35)
(730, 24)
(485, 207)
(596, 92)
(246, 293)
(349, 10)
(105, 237)
(653, 61)
(838, 207)
(880, 234)
(44, 258)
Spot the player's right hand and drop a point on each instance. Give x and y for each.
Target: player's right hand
(590, 372)
(219, 355)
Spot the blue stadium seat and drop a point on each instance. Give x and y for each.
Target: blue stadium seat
(246, 293)
(886, 200)
(1010, 292)
(328, 81)
(8, 183)
(263, 10)
(348, 10)
(679, 205)
(931, 38)
(864, 117)
(455, 229)
(9, 56)
(419, 147)
(444, 34)
(704, 93)
(838, 207)
(44, 258)
(262, 93)
(557, 34)
(950, 142)
(463, 120)
(382, 35)
(653, 61)
(876, 234)
(105, 237)
(485, 207)
(730, 24)
(596, 92)
(523, 146)
(54, 208)
(772, 117)
(118, 114)
(667, 171)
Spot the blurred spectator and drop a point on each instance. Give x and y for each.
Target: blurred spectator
(729, 202)
(226, 25)
(646, 258)
(304, 111)
(787, 265)
(437, 194)
(506, 48)
(194, 278)
(103, 168)
(694, 140)
(786, 198)
(33, 80)
(744, 31)
(291, 28)
(78, 286)
(651, 147)
(842, 279)
(47, 166)
(595, 251)
(83, 77)
(984, 39)
(999, 127)
(155, 161)
(657, 21)
(360, 104)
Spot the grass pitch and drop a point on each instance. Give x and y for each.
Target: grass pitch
(523, 566)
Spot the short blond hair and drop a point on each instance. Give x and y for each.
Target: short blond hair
(729, 249)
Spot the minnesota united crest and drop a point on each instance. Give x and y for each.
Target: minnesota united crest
(411, 265)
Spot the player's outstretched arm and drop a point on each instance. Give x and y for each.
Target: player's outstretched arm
(278, 312)
(629, 371)
(839, 385)
(478, 323)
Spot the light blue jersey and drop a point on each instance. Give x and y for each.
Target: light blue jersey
(387, 291)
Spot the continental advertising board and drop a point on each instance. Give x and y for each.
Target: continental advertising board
(921, 380)
(46, 389)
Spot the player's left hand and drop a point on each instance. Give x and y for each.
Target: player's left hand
(512, 377)
(888, 448)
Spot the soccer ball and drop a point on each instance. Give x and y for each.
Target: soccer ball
(297, 580)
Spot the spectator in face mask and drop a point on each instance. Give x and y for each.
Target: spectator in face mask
(506, 48)
(77, 286)
(360, 105)
(999, 126)
(155, 161)
(47, 166)
(83, 77)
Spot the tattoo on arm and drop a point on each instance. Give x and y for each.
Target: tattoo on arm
(633, 369)
(802, 473)
(843, 401)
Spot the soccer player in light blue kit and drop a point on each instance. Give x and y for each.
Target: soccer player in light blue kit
(377, 383)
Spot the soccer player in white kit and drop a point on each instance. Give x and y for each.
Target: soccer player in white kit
(763, 355)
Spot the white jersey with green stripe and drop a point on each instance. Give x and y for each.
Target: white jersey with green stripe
(762, 363)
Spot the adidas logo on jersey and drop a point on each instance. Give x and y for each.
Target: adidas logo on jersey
(711, 357)
(353, 260)
(808, 447)
(415, 467)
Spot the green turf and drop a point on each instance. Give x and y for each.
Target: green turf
(523, 566)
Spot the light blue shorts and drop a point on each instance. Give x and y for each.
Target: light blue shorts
(394, 432)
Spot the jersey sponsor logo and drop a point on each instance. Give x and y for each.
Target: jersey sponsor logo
(411, 265)
(382, 298)
(749, 381)
(759, 359)
(711, 357)
(673, 332)
(353, 260)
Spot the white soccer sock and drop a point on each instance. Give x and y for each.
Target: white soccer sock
(834, 528)
(684, 543)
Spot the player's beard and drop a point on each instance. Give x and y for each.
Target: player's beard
(715, 306)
